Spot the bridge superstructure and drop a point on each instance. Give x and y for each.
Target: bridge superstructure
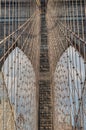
(43, 64)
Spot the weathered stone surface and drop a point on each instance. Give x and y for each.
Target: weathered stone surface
(45, 105)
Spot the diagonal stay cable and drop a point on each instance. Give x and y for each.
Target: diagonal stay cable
(24, 44)
(13, 43)
(20, 27)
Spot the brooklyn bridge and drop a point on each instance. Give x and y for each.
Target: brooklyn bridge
(42, 65)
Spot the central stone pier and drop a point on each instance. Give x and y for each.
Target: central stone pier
(45, 98)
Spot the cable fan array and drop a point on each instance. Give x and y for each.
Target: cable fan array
(66, 29)
(19, 22)
(19, 63)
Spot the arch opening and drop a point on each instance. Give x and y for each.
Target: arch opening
(20, 88)
(69, 80)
